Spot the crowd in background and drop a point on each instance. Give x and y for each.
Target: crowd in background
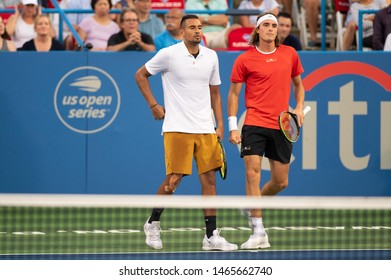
(137, 28)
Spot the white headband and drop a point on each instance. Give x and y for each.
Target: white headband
(266, 17)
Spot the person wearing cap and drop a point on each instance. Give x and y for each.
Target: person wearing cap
(267, 69)
(20, 26)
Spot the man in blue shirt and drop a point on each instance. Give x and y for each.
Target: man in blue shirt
(172, 34)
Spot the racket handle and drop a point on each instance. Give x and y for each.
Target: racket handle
(306, 110)
(213, 118)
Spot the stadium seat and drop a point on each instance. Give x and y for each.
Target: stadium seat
(341, 9)
(340, 30)
(340, 16)
(239, 38)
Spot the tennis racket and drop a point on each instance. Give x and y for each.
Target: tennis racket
(223, 169)
(289, 124)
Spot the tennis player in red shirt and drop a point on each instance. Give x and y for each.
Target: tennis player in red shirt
(267, 69)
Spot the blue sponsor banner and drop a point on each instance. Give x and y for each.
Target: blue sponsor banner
(76, 123)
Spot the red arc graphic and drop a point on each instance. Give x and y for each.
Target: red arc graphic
(346, 68)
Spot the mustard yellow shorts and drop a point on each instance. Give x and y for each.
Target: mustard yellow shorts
(180, 148)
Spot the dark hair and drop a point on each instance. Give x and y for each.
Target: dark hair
(93, 3)
(186, 17)
(125, 11)
(285, 15)
(254, 41)
(4, 35)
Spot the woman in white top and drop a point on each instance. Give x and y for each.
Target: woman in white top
(261, 5)
(20, 26)
(352, 22)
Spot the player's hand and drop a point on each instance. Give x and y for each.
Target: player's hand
(234, 137)
(300, 115)
(220, 133)
(158, 112)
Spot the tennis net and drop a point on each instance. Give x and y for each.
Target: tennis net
(111, 227)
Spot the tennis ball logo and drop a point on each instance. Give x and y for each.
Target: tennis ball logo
(87, 100)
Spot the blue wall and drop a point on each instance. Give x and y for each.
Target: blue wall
(63, 134)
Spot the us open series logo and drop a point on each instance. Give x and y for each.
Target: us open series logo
(87, 100)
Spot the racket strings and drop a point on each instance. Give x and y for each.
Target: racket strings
(223, 168)
(289, 126)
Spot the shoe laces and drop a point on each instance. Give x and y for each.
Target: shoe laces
(217, 236)
(154, 230)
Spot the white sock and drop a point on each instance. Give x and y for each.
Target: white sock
(258, 226)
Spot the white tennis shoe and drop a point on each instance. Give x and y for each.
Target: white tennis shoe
(216, 242)
(256, 241)
(152, 233)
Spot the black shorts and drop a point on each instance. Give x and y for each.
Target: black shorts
(267, 142)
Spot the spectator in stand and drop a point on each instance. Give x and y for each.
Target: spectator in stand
(119, 4)
(261, 5)
(5, 45)
(97, 29)
(285, 23)
(172, 34)
(75, 19)
(43, 41)
(214, 27)
(381, 28)
(352, 22)
(129, 38)
(149, 24)
(312, 15)
(287, 6)
(20, 26)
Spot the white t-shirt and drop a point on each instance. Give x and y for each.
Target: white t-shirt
(367, 24)
(186, 83)
(23, 32)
